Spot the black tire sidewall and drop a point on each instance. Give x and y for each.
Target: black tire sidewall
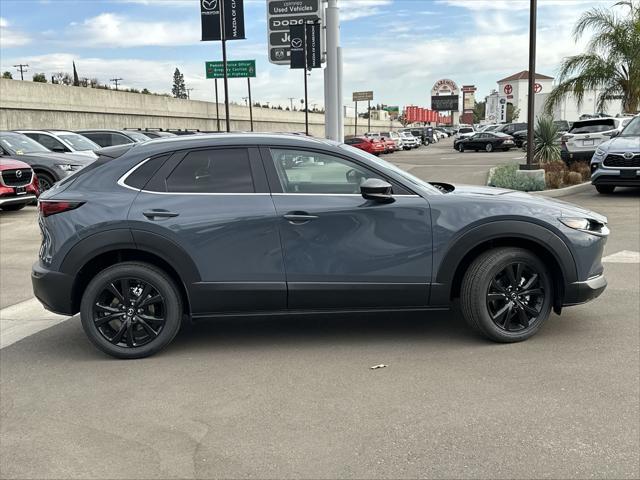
(160, 282)
(474, 296)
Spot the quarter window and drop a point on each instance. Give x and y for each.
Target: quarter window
(213, 171)
(302, 171)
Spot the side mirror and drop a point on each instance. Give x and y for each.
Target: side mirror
(376, 190)
(615, 133)
(59, 149)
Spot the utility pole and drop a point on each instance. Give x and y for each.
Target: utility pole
(333, 101)
(291, 99)
(245, 101)
(223, 36)
(21, 67)
(188, 90)
(533, 6)
(116, 81)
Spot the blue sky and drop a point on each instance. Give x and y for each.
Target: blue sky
(397, 48)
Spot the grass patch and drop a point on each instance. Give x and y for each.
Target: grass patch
(505, 176)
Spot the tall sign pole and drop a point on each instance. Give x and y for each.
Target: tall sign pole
(532, 79)
(250, 102)
(368, 116)
(332, 102)
(356, 119)
(217, 105)
(224, 63)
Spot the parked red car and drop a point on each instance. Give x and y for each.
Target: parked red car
(369, 145)
(18, 184)
(390, 145)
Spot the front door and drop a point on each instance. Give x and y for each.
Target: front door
(340, 250)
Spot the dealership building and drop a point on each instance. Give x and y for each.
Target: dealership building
(515, 88)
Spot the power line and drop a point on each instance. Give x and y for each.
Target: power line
(21, 68)
(116, 81)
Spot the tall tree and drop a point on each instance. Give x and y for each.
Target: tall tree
(478, 111)
(611, 63)
(179, 89)
(76, 80)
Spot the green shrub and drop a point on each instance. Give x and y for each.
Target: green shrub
(505, 176)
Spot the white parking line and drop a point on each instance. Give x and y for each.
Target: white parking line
(24, 319)
(624, 256)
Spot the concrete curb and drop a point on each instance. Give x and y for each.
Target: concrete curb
(566, 191)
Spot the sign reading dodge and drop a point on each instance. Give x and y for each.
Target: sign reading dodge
(284, 14)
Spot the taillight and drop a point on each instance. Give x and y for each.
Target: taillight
(51, 207)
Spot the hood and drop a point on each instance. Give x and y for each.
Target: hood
(564, 209)
(85, 153)
(622, 144)
(62, 157)
(7, 163)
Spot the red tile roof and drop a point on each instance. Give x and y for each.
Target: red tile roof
(524, 75)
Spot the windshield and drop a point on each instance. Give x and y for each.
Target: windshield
(389, 167)
(632, 129)
(466, 130)
(138, 137)
(593, 126)
(78, 142)
(491, 128)
(18, 144)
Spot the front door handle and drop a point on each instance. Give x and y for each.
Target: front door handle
(153, 214)
(299, 217)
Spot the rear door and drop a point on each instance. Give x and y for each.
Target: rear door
(214, 203)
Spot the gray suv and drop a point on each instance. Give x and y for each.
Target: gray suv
(227, 225)
(616, 162)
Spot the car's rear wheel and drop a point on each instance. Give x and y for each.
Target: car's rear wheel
(606, 189)
(131, 310)
(461, 148)
(489, 147)
(45, 181)
(506, 294)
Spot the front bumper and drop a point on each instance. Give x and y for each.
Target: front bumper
(619, 178)
(582, 292)
(53, 290)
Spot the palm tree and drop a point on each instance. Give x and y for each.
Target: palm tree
(611, 63)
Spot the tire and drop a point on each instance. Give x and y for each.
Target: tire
(163, 316)
(45, 181)
(487, 301)
(489, 147)
(605, 189)
(13, 208)
(461, 148)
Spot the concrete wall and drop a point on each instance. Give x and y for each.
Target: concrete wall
(38, 105)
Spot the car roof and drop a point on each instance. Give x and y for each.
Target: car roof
(33, 130)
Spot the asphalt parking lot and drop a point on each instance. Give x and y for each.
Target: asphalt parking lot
(296, 398)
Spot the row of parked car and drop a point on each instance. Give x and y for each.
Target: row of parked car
(378, 143)
(31, 161)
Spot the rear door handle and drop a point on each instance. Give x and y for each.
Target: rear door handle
(299, 217)
(153, 214)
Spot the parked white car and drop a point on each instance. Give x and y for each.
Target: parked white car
(409, 141)
(584, 136)
(395, 137)
(464, 132)
(63, 141)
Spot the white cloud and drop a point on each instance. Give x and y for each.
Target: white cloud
(113, 30)
(354, 9)
(511, 5)
(10, 37)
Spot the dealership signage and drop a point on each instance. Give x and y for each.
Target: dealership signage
(235, 69)
(305, 46)
(444, 95)
(284, 14)
(469, 99)
(233, 16)
(496, 108)
(362, 96)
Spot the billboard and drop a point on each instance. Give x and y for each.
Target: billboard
(444, 95)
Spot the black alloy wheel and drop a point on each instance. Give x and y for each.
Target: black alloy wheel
(515, 297)
(131, 310)
(45, 182)
(489, 147)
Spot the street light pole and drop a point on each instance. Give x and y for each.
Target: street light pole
(532, 80)
(332, 102)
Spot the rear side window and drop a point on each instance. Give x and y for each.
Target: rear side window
(212, 171)
(141, 175)
(593, 126)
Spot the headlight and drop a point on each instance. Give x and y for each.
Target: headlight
(586, 225)
(68, 167)
(599, 152)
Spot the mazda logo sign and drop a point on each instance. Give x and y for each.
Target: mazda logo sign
(18, 173)
(209, 4)
(296, 42)
(628, 155)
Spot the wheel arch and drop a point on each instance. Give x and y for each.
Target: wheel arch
(99, 251)
(550, 248)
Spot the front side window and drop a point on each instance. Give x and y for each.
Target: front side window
(48, 141)
(212, 171)
(632, 129)
(302, 171)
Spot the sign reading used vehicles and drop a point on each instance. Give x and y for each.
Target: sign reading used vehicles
(284, 14)
(362, 96)
(235, 69)
(233, 19)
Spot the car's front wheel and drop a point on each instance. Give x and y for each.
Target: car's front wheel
(606, 189)
(131, 310)
(506, 294)
(489, 147)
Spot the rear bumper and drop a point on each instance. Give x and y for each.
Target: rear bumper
(53, 289)
(17, 200)
(582, 155)
(582, 292)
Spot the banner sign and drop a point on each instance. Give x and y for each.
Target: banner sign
(235, 69)
(363, 96)
(233, 16)
(284, 14)
(445, 102)
(305, 39)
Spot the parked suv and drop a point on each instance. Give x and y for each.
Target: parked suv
(616, 162)
(580, 142)
(18, 184)
(219, 225)
(62, 141)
